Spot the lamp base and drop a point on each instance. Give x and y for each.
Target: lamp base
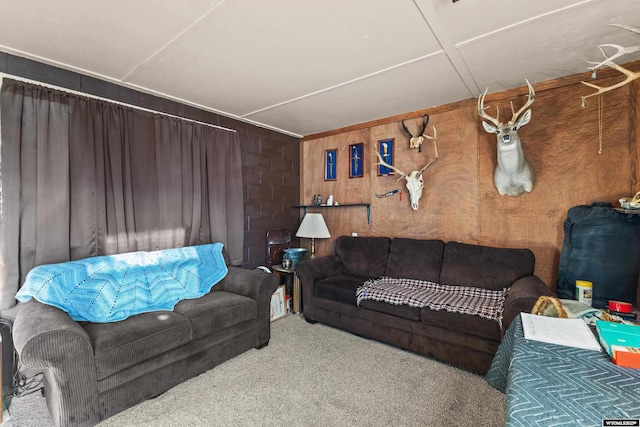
(313, 248)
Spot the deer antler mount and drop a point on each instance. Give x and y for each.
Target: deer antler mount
(608, 61)
(416, 141)
(513, 174)
(415, 182)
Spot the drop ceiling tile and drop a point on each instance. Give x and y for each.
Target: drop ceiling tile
(416, 86)
(252, 54)
(468, 19)
(307, 67)
(560, 45)
(104, 37)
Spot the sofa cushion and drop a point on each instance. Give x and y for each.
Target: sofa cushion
(398, 310)
(217, 310)
(463, 323)
(415, 259)
(484, 266)
(363, 256)
(119, 345)
(340, 288)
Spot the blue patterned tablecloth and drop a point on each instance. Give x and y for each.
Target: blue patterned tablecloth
(554, 385)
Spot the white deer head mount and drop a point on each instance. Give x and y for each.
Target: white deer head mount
(513, 174)
(415, 182)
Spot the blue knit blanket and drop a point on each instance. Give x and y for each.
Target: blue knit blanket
(114, 287)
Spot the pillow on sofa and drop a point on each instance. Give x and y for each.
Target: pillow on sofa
(113, 287)
(415, 259)
(363, 256)
(484, 266)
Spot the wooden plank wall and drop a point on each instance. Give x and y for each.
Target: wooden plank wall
(460, 201)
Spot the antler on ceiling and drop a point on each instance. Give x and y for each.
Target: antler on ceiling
(631, 76)
(620, 51)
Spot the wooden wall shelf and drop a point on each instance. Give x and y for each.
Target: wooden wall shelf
(348, 205)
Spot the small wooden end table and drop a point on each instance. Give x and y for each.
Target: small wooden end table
(297, 291)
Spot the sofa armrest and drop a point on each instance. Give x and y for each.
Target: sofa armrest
(257, 285)
(521, 297)
(254, 284)
(310, 271)
(49, 341)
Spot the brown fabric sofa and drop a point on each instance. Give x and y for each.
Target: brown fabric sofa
(329, 294)
(94, 370)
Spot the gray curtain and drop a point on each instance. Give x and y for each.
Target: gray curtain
(82, 177)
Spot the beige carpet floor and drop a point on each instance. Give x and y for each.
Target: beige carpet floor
(314, 375)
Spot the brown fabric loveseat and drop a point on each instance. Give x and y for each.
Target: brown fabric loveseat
(95, 370)
(329, 294)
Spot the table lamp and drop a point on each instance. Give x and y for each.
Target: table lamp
(313, 227)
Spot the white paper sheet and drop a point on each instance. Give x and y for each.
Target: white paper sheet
(553, 330)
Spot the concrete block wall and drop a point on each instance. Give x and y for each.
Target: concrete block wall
(271, 180)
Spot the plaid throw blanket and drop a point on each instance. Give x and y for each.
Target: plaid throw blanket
(485, 303)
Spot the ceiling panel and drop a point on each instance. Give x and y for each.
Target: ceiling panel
(559, 45)
(108, 38)
(469, 19)
(423, 84)
(252, 54)
(305, 67)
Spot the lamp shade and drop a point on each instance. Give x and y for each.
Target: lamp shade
(313, 226)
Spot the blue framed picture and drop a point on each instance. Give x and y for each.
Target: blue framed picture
(385, 148)
(356, 162)
(330, 164)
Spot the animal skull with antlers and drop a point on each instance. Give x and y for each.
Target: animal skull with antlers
(415, 182)
(513, 174)
(416, 141)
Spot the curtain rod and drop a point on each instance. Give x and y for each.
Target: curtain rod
(75, 92)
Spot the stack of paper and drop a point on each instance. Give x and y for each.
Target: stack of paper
(553, 330)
